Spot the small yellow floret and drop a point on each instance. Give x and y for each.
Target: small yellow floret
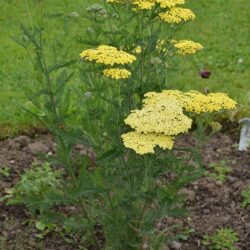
(145, 143)
(177, 15)
(117, 73)
(107, 55)
(186, 47)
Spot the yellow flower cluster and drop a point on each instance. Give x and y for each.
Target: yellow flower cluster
(145, 143)
(154, 98)
(172, 14)
(193, 101)
(169, 3)
(198, 103)
(143, 4)
(149, 4)
(107, 55)
(115, 1)
(162, 117)
(166, 117)
(116, 73)
(177, 15)
(156, 124)
(186, 47)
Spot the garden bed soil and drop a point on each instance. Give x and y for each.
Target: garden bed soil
(212, 204)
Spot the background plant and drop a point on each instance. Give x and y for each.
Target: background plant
(219, 170)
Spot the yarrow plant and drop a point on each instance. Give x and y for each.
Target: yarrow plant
(128, 174)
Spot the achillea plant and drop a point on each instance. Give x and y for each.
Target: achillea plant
(122, 104)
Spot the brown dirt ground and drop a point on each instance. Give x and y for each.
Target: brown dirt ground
(212, 204)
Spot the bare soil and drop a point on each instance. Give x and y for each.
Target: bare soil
(212, 204)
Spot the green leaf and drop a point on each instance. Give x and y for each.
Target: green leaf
(40, 226)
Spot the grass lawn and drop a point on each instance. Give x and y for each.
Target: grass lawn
(222, 26)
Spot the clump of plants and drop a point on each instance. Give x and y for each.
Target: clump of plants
(128, 175)
(219, 170)
(35, 187)
(246, 197)
(224, 238)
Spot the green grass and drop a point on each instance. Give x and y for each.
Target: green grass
(221, 26)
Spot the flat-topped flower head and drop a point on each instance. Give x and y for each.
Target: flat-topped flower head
(164, 117)
(198, 103)
(145, 143)
(116, 73)
(177, 15)
(143, 4)
(107, 55)
(192, 101)
(154, 98)
(169, 3)
(186, 47)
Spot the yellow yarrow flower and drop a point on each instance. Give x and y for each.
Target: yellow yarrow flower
(169, 3)
(144, 4)
(165, 117)
(115, 73)
(186, 47)
(154, 98)
(145, 143)
(192, 101)
(196, 102)
(149, 4)
(107, 55)
(177, 15)
(162, 117)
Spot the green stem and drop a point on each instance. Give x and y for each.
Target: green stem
(49, 84)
